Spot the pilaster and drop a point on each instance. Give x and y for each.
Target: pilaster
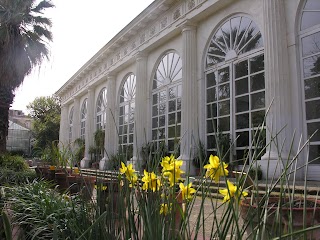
(189, 100)
(110, 142)
(141, 107)
(76, 119)
(278, 122)
(64, 126)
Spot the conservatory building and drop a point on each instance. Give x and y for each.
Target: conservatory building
(242, 75)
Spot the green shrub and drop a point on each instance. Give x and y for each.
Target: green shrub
(15, 163)
(9, 176)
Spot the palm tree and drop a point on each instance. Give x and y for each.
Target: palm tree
(24, 37)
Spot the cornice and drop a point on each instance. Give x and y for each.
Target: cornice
(160, 18)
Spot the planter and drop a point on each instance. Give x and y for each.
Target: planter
(61, 180)
(250, 212)
(42, 171)
(86, 185)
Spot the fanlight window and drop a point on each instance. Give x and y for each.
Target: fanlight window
(101, 109)
(310, 62)
(236, 36)
(83, 119)
(126, 112)
(70, 124)
(235, 88)
(166, 101)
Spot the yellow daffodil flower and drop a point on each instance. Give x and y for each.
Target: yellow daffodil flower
(101, 187)
(150, 181)
(165, 209)
(187, 191)
(215, 169)
(171, 169)
(232, 191)
(129, 172)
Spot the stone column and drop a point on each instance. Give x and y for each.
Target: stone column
(76, 119)
(141, 107)
(189, 100)
(89, 128)
(278, 122)
(64, 126)
(110, 143)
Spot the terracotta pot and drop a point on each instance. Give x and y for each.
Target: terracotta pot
(249, 213)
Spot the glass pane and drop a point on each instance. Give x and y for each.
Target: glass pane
(312, 5)
(312, 88)
(313, 109)
(131, 127)
(155, 110)
(154, 122)
(121, 111)
(314, 153)
(242, 121)
(211, 94)
(312, 128)
(311, 44)
(241, 156)
(242, 104)
(179, 104)
(154, 134)
(171, 145)
(241, 69)
(172, 118)
(224, 108)
(121, 130)
(172, 105)
(162, 108)
(211, 142)
(131, 138)
(210, 128)
(162, 96)
(257, 100)
(309, 19)
(242, 86)
(162, 121)
(242, 139)
(125, 128)
(120, 120)
(224, 91)
(257, 64)
(179, 91)
(211, 79)
(178, 131)
(172, 92)
(311, 66)
(154, 98)
(171, 132)
(211, 110)
(257, 118)
(161, 133)
(257, 82)
(124, 139)
(224, 124)
(178, 117)
(223, 75)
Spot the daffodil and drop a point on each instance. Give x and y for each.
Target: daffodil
(129, 172)
(165, 208)
(232, 191)
(215, 169)
(100, 187)
(150, 181)
(187, 191)
(171, 169)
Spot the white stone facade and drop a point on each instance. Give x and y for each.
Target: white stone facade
(189, 65)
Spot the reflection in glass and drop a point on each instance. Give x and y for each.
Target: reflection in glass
(242, 104)
(257, 64)
(312, 5)
(211, 94)
(313, 109)
(310, 19)
(224, 91)
(314, 153)
(311, 44)
(241, 86)
(224, 108)
(242, 121)
(211, 79)
(241, 69)
(257, 82)
(243, 139)
(312, 87)
(314, 131)
(236, 36)
(169, 70)
(257, 100)
(223, 75)
(311, 66)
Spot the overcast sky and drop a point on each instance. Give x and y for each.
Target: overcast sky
(80, 29)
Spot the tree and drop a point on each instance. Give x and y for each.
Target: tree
(24, 37)
(45, 112)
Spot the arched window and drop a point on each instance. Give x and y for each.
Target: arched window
(101, 109)
(166, 100)
(70, 124)
(310, 62)
(126, 112)
(83, 119)
(235, 86)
